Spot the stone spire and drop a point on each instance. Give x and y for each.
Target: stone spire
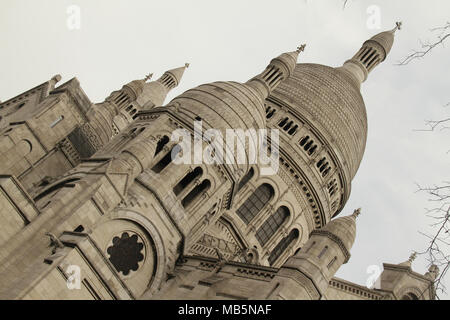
(172, 78)
(280, 68)
(372, 53)
(155, 92)
(410, 260)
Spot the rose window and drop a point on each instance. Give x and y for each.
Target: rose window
(125, 253)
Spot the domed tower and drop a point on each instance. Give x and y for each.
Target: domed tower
(141, 94)
(372, 53)
(197, 193)
(307, 274)
(231, 105)
(155, 92)
(119, 110)
(323, 124)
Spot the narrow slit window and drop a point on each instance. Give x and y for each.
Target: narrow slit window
(54, 123)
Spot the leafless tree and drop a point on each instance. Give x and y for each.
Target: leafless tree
(437, 251)
(441, 35)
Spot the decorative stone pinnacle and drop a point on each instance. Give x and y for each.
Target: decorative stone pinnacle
(356, 213)
(398, 26)
(301, 48)
(413, 256)
(148, 77)
(186, 65)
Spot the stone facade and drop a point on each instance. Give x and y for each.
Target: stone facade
(94, 207)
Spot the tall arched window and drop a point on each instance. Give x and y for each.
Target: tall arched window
(161, 143)
(245, 179)
(195, 193)
(283, 245)
(251, 207)
(272, 224)
(191, 176)
(167, 159)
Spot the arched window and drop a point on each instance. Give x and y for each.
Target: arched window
(253, 205)
(283, 122)
(164, 162)
(246, 178)
(272, 224)
(191, 176)
(410, 296)
(195, 193)
(283, 245)
(161, 143)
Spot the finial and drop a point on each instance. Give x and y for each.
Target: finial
(56, 78)
(398, 26)
(186, 65)
(301, 48)
(148, 77)
(356, 213)
(413, 256)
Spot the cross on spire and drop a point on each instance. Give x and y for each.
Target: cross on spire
(186, 65)
(413, 256)
(301, 48)
(399, 25)
(148, 77)
(357, 212)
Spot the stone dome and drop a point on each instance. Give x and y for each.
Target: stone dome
(223, 105)
(329, 100)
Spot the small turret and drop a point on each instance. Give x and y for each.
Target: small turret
(403, 283)
(170, 79)
(279, 68)
(372, 53)
(307, 274)
(156, 92)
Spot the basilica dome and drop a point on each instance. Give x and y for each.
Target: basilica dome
(329, 100)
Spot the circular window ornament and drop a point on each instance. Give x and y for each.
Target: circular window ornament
(126, 252)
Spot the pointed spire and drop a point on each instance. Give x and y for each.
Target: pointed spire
(301, 48)
(172, 78)
(373, 52)
(280, 68)
(398, 26)
(155, 92)
(412, 257)
(410, 260)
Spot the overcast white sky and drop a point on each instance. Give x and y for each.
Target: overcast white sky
(233, 40)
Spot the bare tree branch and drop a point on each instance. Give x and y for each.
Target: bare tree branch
(444, 34)
(437, 251)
